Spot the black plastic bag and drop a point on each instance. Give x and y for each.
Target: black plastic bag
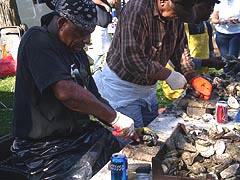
(71, 158)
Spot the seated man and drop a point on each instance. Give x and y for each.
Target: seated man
(55, 94)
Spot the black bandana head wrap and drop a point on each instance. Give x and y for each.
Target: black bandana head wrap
(82, 13)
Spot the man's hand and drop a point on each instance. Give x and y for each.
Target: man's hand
(202, 86)
(123, 126)
(222, 21)
(176, 80)
(214, 62)
(187, 65)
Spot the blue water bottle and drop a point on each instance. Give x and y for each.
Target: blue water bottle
(237, 118)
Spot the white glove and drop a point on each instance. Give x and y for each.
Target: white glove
(176, 80)
(123, 125)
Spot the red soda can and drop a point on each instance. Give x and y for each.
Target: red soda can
(222, 112)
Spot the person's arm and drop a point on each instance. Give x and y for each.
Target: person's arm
(134, 36)
(76, 98)
(216, 19)
(101, 3)
(210, 35)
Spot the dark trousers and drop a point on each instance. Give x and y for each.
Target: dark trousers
(228, 44)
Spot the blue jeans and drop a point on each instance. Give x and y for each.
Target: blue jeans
(139, 111)
(228, 44)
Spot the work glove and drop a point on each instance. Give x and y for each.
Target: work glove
(176, 80)
(214, 62)
(147, 136)
(123, 126)
(202, 86)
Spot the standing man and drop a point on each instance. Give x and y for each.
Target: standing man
(199, 45)
(148, 34)
(55, 94)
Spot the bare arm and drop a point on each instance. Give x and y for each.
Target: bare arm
(76, 98)
(217, 20)
(215, 17)
(99, 2)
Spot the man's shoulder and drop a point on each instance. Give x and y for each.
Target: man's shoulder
(35, 30)
(35, 33)
(139, 6)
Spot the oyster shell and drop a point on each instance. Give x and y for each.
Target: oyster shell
(219, 147)
(222, 159)
(182, 143)
(197, 168)
(207, 117)
(205, 151)
(232, 102)
(229, 171)
(188, 157)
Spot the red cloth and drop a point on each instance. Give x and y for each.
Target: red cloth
(7, 66)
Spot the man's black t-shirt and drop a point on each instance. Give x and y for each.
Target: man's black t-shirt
(42, 61)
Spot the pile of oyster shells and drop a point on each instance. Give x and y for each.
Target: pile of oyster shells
(227, 85)
(201, 152)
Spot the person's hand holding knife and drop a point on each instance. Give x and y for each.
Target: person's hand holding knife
(124, 127)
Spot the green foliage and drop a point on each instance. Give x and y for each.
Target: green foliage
(162, 100)
(5, 121)
(7, 85)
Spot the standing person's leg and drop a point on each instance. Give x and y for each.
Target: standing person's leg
(150, 115)
(222, 41)
(134, 111)
(234, 45)
(140, 112)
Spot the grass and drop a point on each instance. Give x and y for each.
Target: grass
(6, 103)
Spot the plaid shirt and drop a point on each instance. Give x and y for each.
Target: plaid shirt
(140, 32)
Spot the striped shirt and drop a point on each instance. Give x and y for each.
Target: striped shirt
(140, 32)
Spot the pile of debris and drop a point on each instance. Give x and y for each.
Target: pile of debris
(201, 152)
(226, 87)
